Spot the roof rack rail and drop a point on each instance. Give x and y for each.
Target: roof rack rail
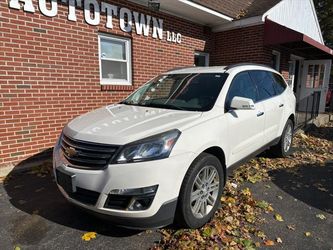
(246, 64)
(178, 68)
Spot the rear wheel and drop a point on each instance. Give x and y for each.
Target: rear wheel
(283, 148)
(201, 191)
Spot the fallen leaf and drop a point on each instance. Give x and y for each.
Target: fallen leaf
(230, 200)
(233, 243)
(269, 243)
(234, 185)
(304, 136)
(207, 232)
(246, 192)
(322, 189)
(307, 234)
(278, 240)
(21, 202)
(270, 209)
(278, 217)
(262, 204)
(261, 235)
(39, 189)
(17, 248)
(35, 211)
(291, 227)
(321, 216)
(247, 244)
(228, 219)
(280, 197)
(88, 236)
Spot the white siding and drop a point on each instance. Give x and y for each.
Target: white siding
(298, 15)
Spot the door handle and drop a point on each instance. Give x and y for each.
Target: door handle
(260, 114)
(281, 105)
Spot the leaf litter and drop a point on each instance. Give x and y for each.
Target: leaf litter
(237, 223)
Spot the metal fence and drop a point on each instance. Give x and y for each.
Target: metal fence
(307, 109)
(329, 108)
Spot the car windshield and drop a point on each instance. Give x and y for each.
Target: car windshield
(192, 92)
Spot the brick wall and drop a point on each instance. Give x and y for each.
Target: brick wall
(240, 45)
(247, 45)
(50, 71)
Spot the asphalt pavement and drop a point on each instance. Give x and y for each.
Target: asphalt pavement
(34, 215)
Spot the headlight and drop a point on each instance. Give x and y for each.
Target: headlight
(151, 148)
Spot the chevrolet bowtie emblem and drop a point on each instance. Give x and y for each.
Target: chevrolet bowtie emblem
(70, 151)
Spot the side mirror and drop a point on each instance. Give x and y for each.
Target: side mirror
(242, 103)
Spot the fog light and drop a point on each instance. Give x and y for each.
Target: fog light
(135, 191)
(131, 199)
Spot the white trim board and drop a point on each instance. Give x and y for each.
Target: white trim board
(246, 22)
(298, 15)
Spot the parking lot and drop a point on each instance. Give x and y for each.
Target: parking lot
(34, 215)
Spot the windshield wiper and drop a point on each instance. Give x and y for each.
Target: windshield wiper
(131, 103)
(166, 106)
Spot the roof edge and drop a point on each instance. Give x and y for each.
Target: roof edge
(206, 9)
(317, 21)
(242, 23)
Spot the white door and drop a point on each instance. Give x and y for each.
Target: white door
(245, 127)
(246, 131)
(272, 102)
(315, 77)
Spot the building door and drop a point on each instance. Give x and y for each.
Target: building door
(295, 72)
(315, 79)
(201, 59)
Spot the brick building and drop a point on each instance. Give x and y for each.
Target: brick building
(60, 59)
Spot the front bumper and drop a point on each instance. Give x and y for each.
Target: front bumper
(167, 173)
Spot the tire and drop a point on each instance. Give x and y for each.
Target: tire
(283, 148)
(185, 214)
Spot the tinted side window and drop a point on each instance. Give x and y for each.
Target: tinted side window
(241, 86)
(264, 82)
(279, 83)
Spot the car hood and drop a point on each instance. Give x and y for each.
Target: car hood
(120, 124)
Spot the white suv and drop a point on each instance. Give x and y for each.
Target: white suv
(163, 153)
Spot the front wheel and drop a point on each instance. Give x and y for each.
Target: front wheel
(200, 192)
(283, 148)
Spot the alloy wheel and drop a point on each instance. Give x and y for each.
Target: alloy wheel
(204, 192)
(288, 138)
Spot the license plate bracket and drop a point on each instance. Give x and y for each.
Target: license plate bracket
(66, 180)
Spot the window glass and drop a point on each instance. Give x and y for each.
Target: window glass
(201, 59)
(264, 82)
(113, 49)
(279, 83)
(115, 60)
(241, 86)
(114, 70)
(194, 92)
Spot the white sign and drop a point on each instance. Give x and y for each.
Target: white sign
(92, 15)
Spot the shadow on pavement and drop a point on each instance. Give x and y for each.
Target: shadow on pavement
(321, 132)
(310, 184)
(35, 192)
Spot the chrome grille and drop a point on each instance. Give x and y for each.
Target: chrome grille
(87, 155)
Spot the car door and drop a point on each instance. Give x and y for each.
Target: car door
(272, 103)
(245, 127)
